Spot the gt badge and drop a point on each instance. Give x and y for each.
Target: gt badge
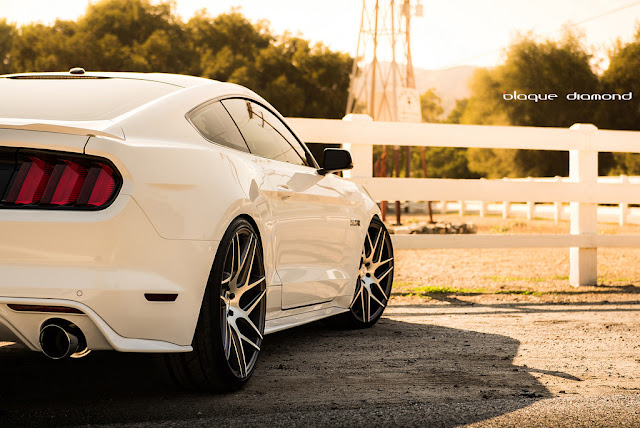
(354, 222)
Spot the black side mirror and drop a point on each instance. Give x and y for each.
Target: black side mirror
(335, 160)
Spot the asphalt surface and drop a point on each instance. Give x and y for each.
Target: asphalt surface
(422, 365)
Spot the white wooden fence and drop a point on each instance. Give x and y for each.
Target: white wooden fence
(582, 190)
(557, 211)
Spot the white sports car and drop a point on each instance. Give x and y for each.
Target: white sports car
(173, 214)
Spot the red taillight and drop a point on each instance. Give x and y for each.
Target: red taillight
(68, 187)
(51, 181)
(103, 189)
(33, 176)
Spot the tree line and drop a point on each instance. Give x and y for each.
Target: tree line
(298, 78)
(541, 68)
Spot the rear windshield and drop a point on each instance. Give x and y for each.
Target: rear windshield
(76, 99)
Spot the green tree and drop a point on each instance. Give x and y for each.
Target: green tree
(38, 47)
(431, 106)
(621, 77)
(439, 162)
(456, 114)
(133, 35)
(7, 35)
(145, 36)
(226, 47)
(531, 67)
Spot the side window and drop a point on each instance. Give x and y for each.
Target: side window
(264, 133)
(215, 124)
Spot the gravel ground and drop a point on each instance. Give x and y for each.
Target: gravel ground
(492, 364)
(491, 355)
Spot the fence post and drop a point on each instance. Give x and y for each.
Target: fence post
(557, 212)
(361, 154)
(443, 207)
(583, 168)
(624, 208)
(506, 207)
(462, 208)
(531, 206)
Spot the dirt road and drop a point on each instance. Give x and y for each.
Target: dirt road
(493, 363)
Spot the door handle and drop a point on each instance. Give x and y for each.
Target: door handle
(284, 191)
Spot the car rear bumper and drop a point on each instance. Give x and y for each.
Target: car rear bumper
(101, 263)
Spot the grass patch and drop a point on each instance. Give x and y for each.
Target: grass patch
(447, 290)
(534, 279)
(426, 291)
(523, 292)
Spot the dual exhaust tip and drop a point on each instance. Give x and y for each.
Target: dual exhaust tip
(62, 339)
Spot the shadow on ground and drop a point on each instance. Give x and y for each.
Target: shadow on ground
(304, 375)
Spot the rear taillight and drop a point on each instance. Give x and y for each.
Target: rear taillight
(47, 180)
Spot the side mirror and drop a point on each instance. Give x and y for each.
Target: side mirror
(335, 160)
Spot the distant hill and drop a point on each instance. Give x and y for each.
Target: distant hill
(450, 83)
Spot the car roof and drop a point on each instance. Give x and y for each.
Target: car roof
(118, 93)
(170, 79)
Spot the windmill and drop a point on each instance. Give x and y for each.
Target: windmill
(382, 80)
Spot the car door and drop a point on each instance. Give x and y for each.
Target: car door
(311, 212)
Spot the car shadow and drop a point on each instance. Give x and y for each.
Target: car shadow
(315, 369)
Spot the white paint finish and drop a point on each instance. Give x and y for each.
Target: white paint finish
(283, 323)
(103, 128)
(557, 212)
(313, 240)
(42, 140)
(583, 269)
(182, 204)
(362, 157)
(606, 213)
(407, 189)
(624, 208)
(26, 326)
(416, 242)
(583, 168)
(179, 195)
(113, 256)
(506, 209)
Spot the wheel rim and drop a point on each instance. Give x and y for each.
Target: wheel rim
(375, 275)
(242, 302)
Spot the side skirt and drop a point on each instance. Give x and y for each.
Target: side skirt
(290, 321)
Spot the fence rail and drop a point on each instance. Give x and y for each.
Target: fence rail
(583, 190)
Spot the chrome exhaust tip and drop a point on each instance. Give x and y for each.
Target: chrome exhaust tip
(61, 339)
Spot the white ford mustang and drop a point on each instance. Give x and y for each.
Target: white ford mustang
(173, 214)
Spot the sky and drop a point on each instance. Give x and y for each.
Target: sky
(451, 32)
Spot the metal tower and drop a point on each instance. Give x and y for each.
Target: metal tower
(382, 80)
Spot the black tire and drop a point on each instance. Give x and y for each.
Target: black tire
(375, 279)
(215, 364)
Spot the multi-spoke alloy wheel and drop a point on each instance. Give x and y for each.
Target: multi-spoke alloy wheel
(229, 333)
(374, 277)
(242, 303)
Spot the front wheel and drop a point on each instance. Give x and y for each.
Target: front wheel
(375, 277)
(230, 328)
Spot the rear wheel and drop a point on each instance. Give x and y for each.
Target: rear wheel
(375, 278)
(230, 328)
